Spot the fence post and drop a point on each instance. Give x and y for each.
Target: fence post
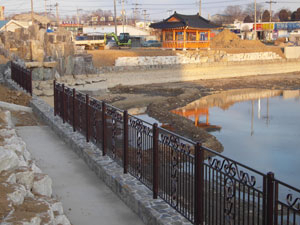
(155, 161)
(30, 82)
(199, 184)
(270, 198)
(74, 113)
(63, 103)
(55, 97)
(104, 128)
(87, 116)
(125, 153)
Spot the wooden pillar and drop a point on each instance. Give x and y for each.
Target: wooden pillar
(184, 40)
(208, 38)
(197, 35)
(174, 41)
(164, 38)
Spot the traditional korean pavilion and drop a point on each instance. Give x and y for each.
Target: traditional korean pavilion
(185, 31)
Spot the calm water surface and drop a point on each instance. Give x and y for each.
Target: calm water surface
(260, 128)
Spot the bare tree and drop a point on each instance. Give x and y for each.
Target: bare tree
(249, 9)
(235, 12)
(296, 15)
(266, 16)
(248, 19)
(283, 15)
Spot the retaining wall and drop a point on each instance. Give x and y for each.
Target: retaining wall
(194, 58)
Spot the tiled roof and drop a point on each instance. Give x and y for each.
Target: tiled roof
(195, 21)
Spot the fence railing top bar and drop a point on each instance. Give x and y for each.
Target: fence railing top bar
(233, 161)
(97, 100)
(135, 117)
(177, 135)
(287, 185)
(115, 108)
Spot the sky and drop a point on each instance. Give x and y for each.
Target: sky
(156, 9)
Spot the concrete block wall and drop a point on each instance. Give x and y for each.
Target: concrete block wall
(292, 52)
(194, 59)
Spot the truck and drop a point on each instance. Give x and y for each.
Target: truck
(91, 42)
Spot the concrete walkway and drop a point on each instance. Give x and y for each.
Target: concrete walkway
(86, 199)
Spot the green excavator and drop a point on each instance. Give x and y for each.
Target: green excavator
(123, 40)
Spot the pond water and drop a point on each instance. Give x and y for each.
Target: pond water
(259, 128)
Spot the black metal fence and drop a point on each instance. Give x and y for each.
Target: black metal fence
(201, 184)
(22, 76)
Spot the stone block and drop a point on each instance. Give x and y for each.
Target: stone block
(42, 185)
(17, 195)
(37, 51)
(33, 64)
(25, 177)
(50, 64)
(8, 160)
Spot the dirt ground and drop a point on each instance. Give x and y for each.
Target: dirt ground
(18, 98)
(160, 99)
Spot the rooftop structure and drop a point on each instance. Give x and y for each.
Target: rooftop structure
(185, 31)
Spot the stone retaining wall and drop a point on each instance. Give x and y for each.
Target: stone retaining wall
(194, 58)
(26, 192)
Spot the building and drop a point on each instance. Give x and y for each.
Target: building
(185, 31)
(73, 27)
(12, 25)
(2, 13)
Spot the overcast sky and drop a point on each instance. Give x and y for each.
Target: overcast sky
(157, 9)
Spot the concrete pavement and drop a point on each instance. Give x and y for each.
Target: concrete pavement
(86, 199)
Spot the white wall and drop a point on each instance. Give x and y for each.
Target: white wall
(133, 31)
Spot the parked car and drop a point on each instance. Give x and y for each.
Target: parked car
(151, 43)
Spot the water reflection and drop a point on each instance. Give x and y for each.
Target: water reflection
(259, 128)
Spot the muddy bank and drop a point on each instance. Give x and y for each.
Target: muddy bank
(160, 99)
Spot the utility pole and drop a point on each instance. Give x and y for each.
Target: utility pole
(57, 17)
(115, 17)
(200, 5)
(123, 14)
(78, 20)
(254, 19)
(45, 8)
(270, 2)
(145, 16)
(135, 11)
(32, 11)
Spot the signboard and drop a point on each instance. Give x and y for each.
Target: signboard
(264, 26)
(287, 26)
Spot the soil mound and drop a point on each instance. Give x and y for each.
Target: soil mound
(228, 39)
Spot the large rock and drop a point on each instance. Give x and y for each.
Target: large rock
(25, 177)
(42, 185)
(37, 51)
(43, 74)
(17, 195)
(8, 160)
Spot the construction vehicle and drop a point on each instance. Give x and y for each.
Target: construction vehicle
(123, 40)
